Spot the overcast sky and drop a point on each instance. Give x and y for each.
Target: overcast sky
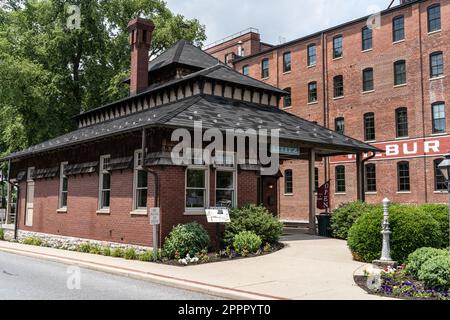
(275, 19)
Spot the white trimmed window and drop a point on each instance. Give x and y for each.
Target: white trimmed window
(104, 183)
(226, 180)
(140, 183)
(63, 187)
(196, 188)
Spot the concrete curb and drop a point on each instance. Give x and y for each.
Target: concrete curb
(199, 287)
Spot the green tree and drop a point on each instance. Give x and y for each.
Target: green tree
(50, 72)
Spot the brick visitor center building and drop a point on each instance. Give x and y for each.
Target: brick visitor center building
(381, 79)
(99, 181)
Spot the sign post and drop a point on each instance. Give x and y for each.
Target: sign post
(218, 216)
(155, 220)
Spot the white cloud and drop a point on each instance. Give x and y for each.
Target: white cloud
(289, 19)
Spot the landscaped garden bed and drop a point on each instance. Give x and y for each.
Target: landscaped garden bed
(253, 232)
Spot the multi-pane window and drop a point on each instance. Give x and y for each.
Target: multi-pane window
(339, 125)
(63, 186)
(287, 65)
(400, 72)
(368, 79)
(140, 182)
(401, 122)
(288, 182)
(369, 126)
(440, 183)
(246, 70)
(265, 68)
(225, 189)
(403, 177)
(340, 179)
(398, 28)
(104, 183)
(312, 55)
(288, 98)
(438, 110)
(436, 64)
(196, 188)
(338, 86)
(338, 49)
(312, 92)
(371, 178)
(367, 38)
(434, 18)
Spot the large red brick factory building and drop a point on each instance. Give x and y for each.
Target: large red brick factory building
(381, 79)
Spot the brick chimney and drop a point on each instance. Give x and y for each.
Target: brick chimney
(141, 31)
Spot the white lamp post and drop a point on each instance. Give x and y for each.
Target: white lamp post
(445, 169)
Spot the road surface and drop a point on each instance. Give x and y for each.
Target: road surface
(25, 278)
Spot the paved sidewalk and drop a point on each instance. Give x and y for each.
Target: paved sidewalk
(308, 268)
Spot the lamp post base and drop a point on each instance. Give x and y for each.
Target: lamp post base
(385, 264)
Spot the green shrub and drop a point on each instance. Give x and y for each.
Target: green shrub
(345, 216)
(106, 252)
(412, 228)
(246, 241)
(2, 235)
(435, 272)
(130, 254)
(420, 256)
(146, 256)
(440, 213)
(256, 219)
(95, 249)
(117, 253)
(32, 241)
(186, 239)
(84, 247)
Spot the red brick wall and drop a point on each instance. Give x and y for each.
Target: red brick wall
(83, 221)
(417, 96)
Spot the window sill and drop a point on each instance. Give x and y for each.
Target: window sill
(437, 78)
(434, 32)
(338, 58)
(286, 108)
(402, 138)
(371, 193)
(199, 212)
(139, 212)
(367, 50)
(404, 192)
(439, 134)
(263, 79)
(368, 91)
(313, 103)
(370, 141)
(312, 66)
(104, 211)
(288, 194)
(441, 192)
(287, 72)
(62, 210)
(340, 194)
(400, 85)
(398, 41)
(339, 98)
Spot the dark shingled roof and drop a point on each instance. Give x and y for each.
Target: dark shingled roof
(214, 112)
(184, 53)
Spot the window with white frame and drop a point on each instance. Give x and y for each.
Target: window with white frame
(225, 180)
(63, 186)
(140, 183)
(196, 188)
(104, 183)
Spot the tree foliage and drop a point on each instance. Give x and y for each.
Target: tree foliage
(50, 72)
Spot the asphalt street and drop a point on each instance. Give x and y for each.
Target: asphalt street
(25, 278)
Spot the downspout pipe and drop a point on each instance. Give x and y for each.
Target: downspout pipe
(147, 169)
(16, 220)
